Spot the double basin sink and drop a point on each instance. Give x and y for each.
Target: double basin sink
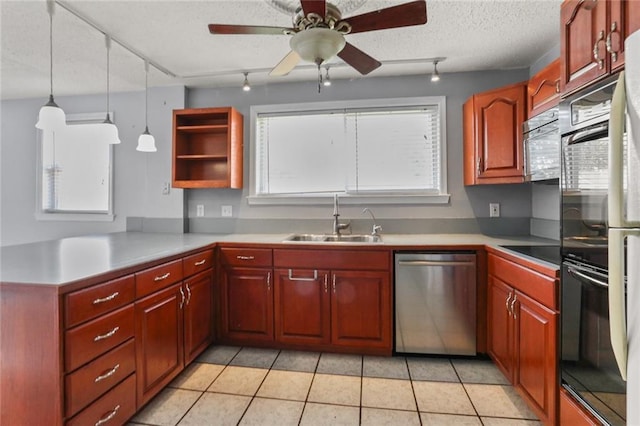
(332, 238)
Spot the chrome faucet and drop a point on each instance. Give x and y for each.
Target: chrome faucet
(337, 226)
(375, 230)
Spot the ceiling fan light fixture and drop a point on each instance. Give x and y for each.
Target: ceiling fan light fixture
(317, 44)
(51, 116)
(246, 86)
(435, 77)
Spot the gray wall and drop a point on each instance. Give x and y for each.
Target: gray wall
(466, 203)
(138, 176)
(140, 205)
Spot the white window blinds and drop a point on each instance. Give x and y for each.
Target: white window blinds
(353, 150)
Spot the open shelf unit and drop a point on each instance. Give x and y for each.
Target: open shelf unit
(207, 148)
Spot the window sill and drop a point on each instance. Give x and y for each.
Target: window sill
(347, 199)
(75, 217)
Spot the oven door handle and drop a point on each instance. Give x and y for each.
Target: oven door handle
(573, 270)
(587, 135)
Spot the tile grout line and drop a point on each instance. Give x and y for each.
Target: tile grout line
(253, 397)
(306, 400)
(415, 398)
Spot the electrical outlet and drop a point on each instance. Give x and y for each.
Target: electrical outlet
(166, 188)
(200, 210)
(494, 209)
(226, 211)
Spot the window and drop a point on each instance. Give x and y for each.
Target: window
(378, 149)
(75, 171)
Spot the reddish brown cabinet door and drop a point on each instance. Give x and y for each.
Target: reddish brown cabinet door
(247, 304)
(198, 314)
(159, 340)
(543, 89)
(624, 17)
(360, 308)
(500, 325)
(493, 135)
(302, 306)
(535, 346)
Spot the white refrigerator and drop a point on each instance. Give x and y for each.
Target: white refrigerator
(624, 225)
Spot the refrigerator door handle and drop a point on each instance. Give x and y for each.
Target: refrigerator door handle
(616, 170)
(617, 308)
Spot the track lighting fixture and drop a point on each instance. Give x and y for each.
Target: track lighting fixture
(110, 129)
(146, 141)
(246, 86)
(51, 116)
(327, 81)
(435, 76)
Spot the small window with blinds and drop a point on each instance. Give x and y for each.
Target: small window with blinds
(356, 149)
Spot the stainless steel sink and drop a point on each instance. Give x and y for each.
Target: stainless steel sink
(330, 238)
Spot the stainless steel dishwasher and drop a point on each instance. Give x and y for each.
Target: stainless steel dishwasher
(435, 306)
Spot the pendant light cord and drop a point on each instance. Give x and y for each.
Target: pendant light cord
(108, 43)
(146, 95)
(50, 8)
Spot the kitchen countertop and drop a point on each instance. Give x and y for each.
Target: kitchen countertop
(68, 260)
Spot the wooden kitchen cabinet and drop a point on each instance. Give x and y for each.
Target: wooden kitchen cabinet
(592, 39)
(207, 148)
(302, 306)
(543, 89)
(345, 305)
(522, 332)
(174, 324)
(492, 133)
(246, 295)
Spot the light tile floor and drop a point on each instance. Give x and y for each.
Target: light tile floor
(247, 386)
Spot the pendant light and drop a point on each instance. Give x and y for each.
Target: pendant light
(146, 141)
(327, 81)
(246, 86)
(110, 130)
(51, 116)
(435, 77)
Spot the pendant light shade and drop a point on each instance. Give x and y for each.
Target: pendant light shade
(435, 77)
(110, 131)
(146, 141)
(51, 116)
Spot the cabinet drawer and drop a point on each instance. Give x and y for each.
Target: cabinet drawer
(538, 286)
(97, 377)
(246, 257)
(159, 277)
(114, 408)
(85, 342)
(198, 262)
(83, 305)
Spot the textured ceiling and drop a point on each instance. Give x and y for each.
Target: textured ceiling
(470, 34)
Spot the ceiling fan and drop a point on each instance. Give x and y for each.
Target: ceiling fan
(318, 33)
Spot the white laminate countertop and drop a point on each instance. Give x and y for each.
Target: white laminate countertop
(68, 260)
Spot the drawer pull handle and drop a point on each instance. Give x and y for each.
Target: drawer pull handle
(162, 277)
(240, 257)
(201, 262)
(106, 299)
(110, 416)
(107, 335)
(107, 374)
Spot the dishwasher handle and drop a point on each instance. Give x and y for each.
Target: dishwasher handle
(436, 263)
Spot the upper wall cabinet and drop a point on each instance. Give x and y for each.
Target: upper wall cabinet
(207, 148)
(493, 135)
(543, 90)
(592, 38)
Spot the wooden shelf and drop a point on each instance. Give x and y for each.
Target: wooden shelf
(207, 148)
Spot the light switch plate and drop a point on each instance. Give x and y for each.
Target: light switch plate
(200, 210)
(494, 209)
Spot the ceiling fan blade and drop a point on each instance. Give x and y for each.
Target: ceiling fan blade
(248, 29)
(404, 15)
(286, 65)
(359, 60)
(314, 6)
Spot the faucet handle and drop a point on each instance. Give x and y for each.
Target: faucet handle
(376, 229)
